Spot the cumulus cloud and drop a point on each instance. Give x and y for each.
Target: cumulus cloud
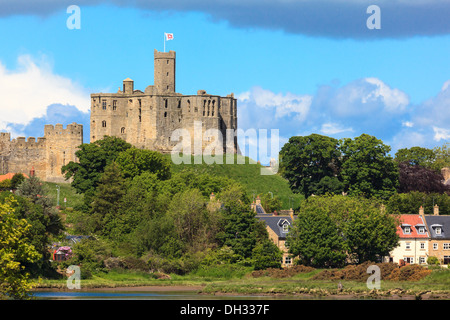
(27, 91)
(325, 18)
(362, 106)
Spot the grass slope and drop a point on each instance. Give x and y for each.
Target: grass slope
(253, 176)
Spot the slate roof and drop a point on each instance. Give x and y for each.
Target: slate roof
(413, 221)
(276, 223)
(438, 221)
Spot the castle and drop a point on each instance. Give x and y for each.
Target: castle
(148, 119)
(145, 119)
(43, 157)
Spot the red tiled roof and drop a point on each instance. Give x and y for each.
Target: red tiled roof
(10, 176)
(413, 221)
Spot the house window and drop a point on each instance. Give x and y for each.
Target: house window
(446, 259)
(287, 260)
(285, 227)
(422, 245)
(438, 230)
(435, 246)
(408, 245)
(104, 124)
(421, 260)
(409, 259)
(421, 230)
(446, 246)
(407, 230)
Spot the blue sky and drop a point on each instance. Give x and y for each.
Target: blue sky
(298, 66)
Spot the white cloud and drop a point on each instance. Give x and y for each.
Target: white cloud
(441, 134)
(394, 99)
(333, 128)
(27, 91)
(408, 124)
(283, 105)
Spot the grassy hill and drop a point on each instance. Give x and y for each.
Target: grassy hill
(249, 175)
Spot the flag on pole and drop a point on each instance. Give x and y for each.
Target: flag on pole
(169, 36)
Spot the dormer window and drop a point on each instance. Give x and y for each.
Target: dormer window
(407, 230)
(421, 230)
(285, 227)
(438, 230)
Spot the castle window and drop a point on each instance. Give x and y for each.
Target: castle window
(104, 124)
(165, 114)
(179, 104)
(104, 104)
(114, 105)
(167, 61)
(165, 103)
(167, 74)
(122, 130)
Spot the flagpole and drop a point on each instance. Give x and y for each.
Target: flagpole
(164, 42)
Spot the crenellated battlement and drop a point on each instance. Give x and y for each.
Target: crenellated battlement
(46, 155)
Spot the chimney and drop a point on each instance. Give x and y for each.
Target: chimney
(291, 214)
(436, 210)
(421, 211)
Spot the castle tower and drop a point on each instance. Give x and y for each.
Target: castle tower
(164, 69)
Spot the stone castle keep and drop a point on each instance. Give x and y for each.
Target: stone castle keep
(146, 119)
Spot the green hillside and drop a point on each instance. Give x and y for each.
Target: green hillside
(249, 175)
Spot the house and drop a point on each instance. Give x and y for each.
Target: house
(278, 228)
(413, 240)
(439, 229)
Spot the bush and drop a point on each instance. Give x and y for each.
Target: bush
(223, 271)
(433, 261)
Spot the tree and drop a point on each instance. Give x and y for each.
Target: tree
(240, 229)
(409, 203)
(15, 249)
(442, 157)
(270, 203)
(416, 156)
(315, 237)
(367, 168)
(305, 161)
(16, 180)
(133, 162)
(107, 199)
(92, 160)
(266, 255)
(330, 229)
(418, 178)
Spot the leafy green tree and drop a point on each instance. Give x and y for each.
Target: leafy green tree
(270, 202)
(15, 249)
(329, 226)
(416, 156)
(306, 160)
(315, 237)
(368, 169)
(133, 162)
(442, 157)
(107, 200)
(16, 180)
(266, 255)
(240, 229)
(409, 203)
(92, 160)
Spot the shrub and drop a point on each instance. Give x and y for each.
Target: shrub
(282, 273)
(433, 260)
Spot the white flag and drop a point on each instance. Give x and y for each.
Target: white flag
(169, 36)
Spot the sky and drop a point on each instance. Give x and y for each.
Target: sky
(330, 67)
